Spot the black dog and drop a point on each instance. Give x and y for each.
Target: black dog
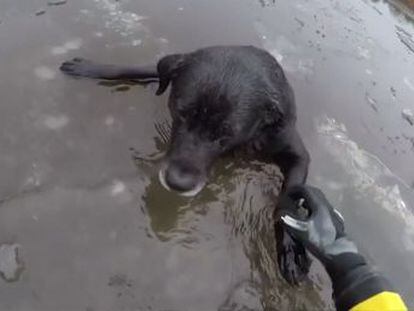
(222, 98)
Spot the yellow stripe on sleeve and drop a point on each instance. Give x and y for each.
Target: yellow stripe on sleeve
(384, 301)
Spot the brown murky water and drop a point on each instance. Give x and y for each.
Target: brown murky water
(93, 228)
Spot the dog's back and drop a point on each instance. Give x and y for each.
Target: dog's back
(245, 75)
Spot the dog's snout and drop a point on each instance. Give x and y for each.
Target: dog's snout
(181, 178)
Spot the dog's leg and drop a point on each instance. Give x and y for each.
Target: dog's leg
(292, 258)
(288, 151)
(85, 68)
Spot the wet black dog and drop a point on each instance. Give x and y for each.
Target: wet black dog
(222, 98)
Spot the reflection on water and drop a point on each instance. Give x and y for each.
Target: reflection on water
(233, 215)
(369, 175)
(376, 202)
(164, 208)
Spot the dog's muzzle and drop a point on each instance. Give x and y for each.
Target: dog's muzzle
(181, 184)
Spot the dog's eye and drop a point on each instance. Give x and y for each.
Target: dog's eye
(181, 114)
(224, 141)
(226, 130)
(187, 112)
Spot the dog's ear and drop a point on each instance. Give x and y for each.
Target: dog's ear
(168, 68)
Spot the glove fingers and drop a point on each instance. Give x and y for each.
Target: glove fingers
(339, 223)
(313, 197)
(285, 206)
(295, 224)
(287, 215)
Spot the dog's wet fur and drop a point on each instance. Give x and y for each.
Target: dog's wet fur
(222, 98)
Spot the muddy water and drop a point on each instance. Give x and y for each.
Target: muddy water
(92, 227)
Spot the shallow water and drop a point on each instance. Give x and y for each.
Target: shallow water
(96, 231)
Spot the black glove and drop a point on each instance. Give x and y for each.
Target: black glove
(310, 218)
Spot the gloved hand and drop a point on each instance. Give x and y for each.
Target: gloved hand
(310, 218)
(321, 230)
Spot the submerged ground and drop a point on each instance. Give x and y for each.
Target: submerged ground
(84, 226)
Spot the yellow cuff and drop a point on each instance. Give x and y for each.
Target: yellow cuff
(384, 301)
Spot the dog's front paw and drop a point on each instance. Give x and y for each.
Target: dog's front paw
(292, 257)
(78, 67)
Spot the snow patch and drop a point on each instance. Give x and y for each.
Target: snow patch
(56, 122)
(118, 187)
(44, 73)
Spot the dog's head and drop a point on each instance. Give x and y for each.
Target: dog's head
(215, 107)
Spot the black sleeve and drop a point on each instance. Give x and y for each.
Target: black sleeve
(354, 281)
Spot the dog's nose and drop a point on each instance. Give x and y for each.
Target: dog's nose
(181, 179)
